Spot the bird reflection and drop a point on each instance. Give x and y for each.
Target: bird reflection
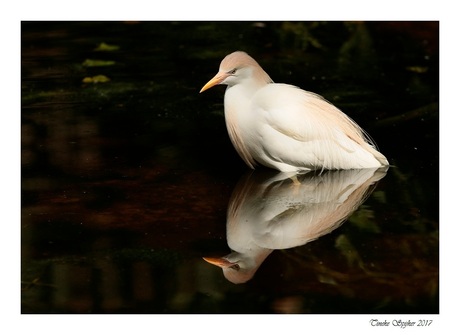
(269, 211)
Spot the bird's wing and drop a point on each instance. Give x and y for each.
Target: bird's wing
(311, 121)
(306, 116)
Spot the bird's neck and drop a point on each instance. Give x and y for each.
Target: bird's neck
(255, 80)
(246, 88)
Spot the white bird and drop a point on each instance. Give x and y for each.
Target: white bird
(268, 213)
(286, 128)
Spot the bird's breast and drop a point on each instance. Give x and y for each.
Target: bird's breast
(240, 120)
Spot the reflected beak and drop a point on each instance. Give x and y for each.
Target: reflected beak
(218, 78)
(220, 262)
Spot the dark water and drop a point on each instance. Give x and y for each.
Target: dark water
(126, 181)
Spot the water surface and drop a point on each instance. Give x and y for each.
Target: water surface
(128, 173)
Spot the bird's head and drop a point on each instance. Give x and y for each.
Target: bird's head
(237, 68)
(238, 268)
(234, 269)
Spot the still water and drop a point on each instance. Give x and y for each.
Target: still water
(129, 179)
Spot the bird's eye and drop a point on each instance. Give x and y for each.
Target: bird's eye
(235, 267)
(232, 71)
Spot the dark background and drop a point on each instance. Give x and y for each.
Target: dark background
(125, 182)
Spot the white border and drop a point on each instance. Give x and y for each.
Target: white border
(14, 322)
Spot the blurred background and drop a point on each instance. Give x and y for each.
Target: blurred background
(127, 171)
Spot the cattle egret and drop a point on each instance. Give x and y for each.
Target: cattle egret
(286, 128)
(266, 213)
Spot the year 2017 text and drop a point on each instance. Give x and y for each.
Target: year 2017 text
(400, 323)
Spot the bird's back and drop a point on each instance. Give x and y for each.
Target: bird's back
(299, 130)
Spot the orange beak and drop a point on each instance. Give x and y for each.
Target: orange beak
(216, 80)
(220, 262)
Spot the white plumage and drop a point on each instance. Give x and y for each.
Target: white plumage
(267, 212)
(286, 128)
